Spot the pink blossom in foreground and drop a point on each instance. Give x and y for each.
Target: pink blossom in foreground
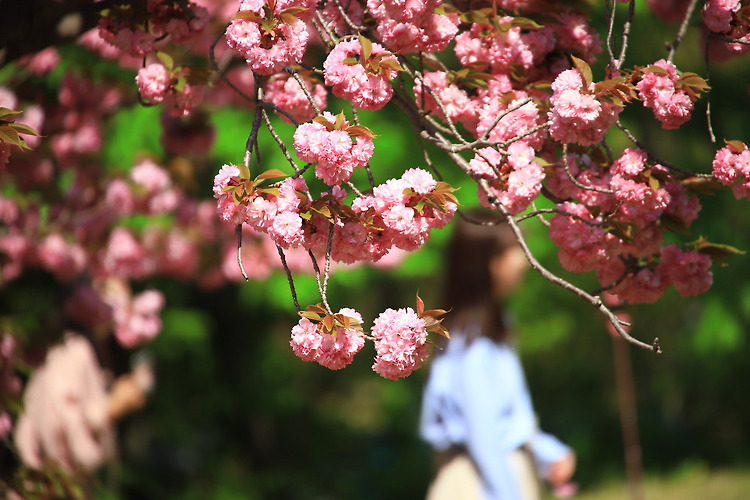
(412, 26)
(688, 271)
(267, 51)
(336, 152)
(577, 116)
(333, 350)
(717, 14)
(646, 286)
(582, 246)
(502, 50)
(671, 105)
(361, 84)
(400, 343)
(731, 167)
(513, 124)
(520, 176)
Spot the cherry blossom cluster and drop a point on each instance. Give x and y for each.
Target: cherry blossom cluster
(333, 347)
(577, 115)
(400, 338)
(270, 35)
(159, 84)
(335, 148)
(731, 167)
(140, 34)
(413, 26)
(624, 245)
(360, 71)
(516, 178)
(400, 343)
(660, 90)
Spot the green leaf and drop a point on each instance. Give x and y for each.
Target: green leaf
(6, 113)
(585, 70)
(525, 23)
(9, 135)
(324, 121)
(22, 128)
(272, 173)
(166, 60)
(366, 47)
(736, 146)
(339, 121)
(717, 251)
(693, 81)
(446, 9)
(361, 131)
(247, 15)
(392, 64)
(244, 170)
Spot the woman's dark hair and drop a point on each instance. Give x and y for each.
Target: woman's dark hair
(478, 236)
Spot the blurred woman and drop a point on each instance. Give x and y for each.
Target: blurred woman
(477, 413)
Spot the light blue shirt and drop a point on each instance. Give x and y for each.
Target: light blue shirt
(476, 396)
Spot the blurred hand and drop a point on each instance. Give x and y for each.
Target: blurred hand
(561, 471)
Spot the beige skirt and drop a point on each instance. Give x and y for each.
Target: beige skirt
(457, 478)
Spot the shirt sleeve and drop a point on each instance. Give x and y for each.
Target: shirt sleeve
(547, 450)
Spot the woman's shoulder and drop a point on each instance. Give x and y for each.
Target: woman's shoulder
(489, 350)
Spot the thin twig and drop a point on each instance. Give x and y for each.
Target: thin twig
(321, 290)
(575, 181)
(708, 97)
(417, 75)
(303, 86)
(289, 277)
(540, 211)
(609, 7)
(280, 143)
(347, 20)
(252, 139)
(321, 27)
(327, 267)
(238, 230)
(502, 115)
(626, 33)
(681, 32)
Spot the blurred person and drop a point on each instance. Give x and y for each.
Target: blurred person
(70, 410)
(477, 413)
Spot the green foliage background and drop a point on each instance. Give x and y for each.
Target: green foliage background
(235, 415)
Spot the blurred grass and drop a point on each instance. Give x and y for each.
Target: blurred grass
(693, 482)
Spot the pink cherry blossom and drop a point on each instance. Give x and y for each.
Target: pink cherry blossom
(400, 343)
(365, 88)
(671, 105)
(688, 271)
(333, 350)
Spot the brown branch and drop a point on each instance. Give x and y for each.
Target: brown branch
(681, 32)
